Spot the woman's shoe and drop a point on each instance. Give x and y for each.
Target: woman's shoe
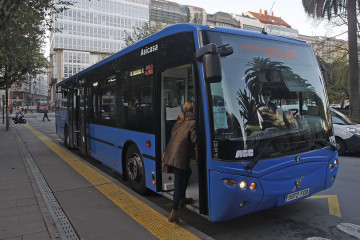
(173, 216)
(185, 200)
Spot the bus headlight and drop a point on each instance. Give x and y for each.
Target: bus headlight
(252, 186)
(331, 166)
(243, 184)
(336, 162)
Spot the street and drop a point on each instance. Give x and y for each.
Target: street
(331, 214)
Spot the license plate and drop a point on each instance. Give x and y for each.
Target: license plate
(297, 195)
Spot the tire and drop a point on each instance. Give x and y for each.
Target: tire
(135, 170)
(24, 121)
(341, 145)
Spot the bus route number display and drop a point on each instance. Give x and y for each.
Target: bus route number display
(149, 70)
(271, 52)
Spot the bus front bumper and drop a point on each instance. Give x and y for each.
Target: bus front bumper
(275, 189)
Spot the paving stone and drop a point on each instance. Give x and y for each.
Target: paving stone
(9, 221)
(26, 218)
(8, 204)
(37, 236)
(26, 201)
(22, 229)
(13, 238)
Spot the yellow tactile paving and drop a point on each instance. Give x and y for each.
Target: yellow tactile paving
(150, 219)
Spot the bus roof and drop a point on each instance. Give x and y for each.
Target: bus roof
(177, 28)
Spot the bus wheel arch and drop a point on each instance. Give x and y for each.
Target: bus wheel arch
(134, 167)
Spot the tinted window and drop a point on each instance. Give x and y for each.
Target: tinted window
(104, 101)
(136, 101)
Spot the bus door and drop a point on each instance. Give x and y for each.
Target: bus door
(177, 88)
(74, 118)
(81, 121)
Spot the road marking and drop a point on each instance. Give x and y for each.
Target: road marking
(334, 208)
(153, 221)
(349, 228)
(317, 238)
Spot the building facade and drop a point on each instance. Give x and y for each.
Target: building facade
(90, 32)
(274, 25)
(168, 12)
(197, 15)
(248, 23)
(222, 19)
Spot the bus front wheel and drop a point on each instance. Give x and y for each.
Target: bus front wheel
(135, 170)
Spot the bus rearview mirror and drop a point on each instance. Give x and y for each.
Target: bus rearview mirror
(212, 68)
(211, 61)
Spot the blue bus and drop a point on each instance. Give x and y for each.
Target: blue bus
(265, 136)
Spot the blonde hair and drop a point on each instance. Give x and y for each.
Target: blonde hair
(188, 107)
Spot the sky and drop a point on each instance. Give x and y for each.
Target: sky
(291, 11)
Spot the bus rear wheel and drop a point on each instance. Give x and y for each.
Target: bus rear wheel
(135, 170)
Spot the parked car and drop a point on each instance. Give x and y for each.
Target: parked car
(347, 133)
(335, 106)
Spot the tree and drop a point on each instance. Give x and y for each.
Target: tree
(333, 8)
(146, 30)
(23, 28)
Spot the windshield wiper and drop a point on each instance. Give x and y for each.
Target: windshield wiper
(257, 158)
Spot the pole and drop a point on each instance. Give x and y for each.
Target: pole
(7, 104)
(3, 107)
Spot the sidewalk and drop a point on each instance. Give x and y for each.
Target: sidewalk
(46, 192)
(23, 214)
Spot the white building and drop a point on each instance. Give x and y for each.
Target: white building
(90, 32)
(197, 15)
(249, 23)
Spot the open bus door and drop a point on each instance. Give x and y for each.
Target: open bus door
(177, 87)
(74, 112)
(81, 112)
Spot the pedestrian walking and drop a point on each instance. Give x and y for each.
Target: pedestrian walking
(176, 158)
(46, 115)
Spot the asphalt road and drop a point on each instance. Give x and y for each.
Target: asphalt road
(307, 219)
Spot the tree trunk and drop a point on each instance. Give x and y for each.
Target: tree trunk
(353, 62)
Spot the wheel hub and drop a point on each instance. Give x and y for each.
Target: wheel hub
(134, 167)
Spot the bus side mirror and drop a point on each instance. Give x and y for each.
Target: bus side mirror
(211, 61)
(323, 72)
(212, 68)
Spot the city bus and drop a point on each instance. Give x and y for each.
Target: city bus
(250, 156)
(41, 106)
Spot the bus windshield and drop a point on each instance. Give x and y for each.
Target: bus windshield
(271, 100)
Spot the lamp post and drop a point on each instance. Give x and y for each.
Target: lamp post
(7, 101)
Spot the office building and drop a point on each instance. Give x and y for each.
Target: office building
(90, 32)
(222, 19)
(168, 12)
(248, 23)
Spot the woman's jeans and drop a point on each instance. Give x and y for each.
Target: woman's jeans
(181, 181)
